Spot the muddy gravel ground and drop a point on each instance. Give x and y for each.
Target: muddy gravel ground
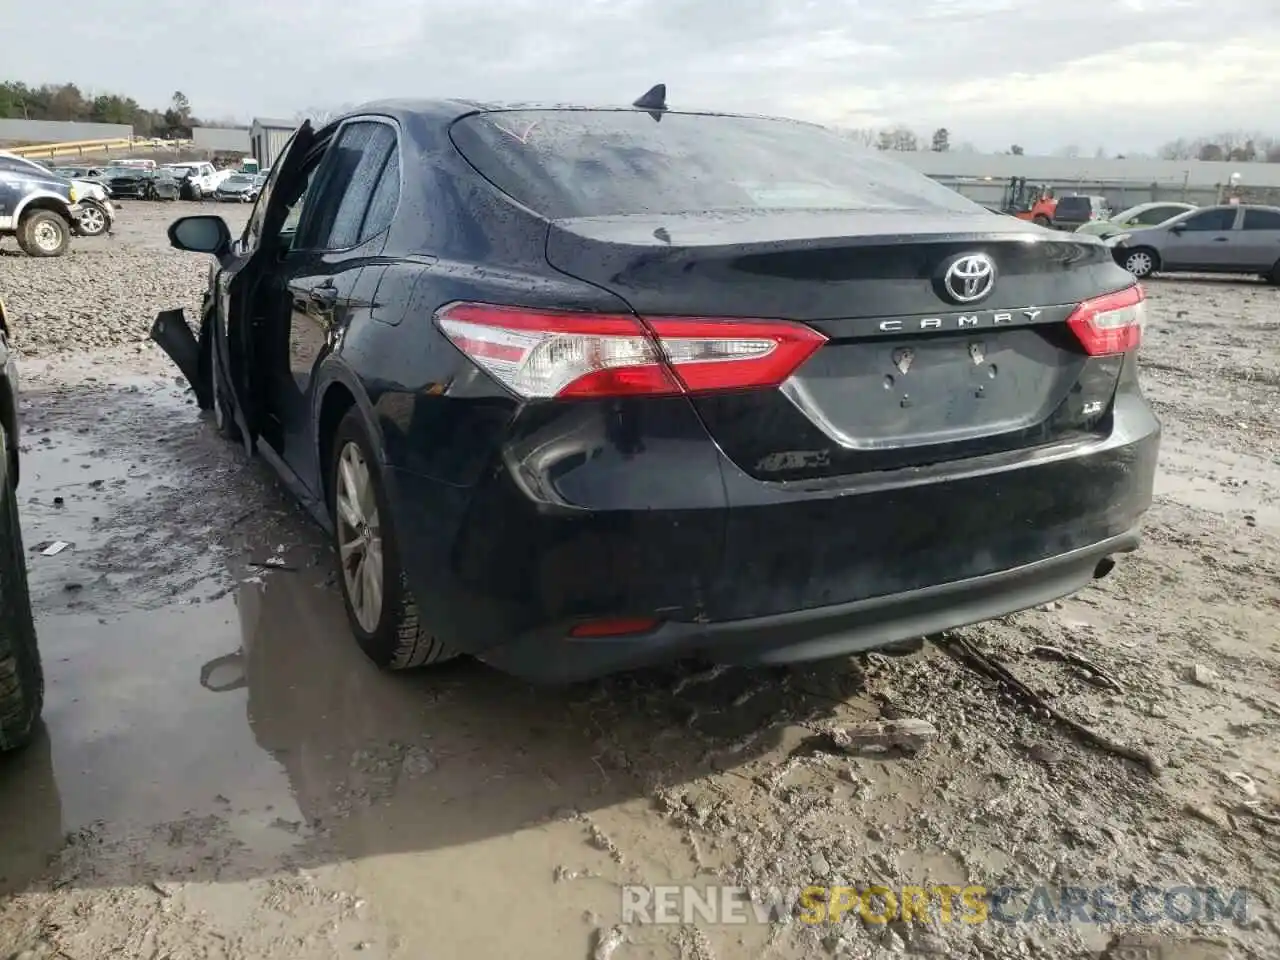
(223, 776)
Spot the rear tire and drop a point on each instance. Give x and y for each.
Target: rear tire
(1141, 262)
(43, 233)
(21, 676)
(365, 548)
(1274, 276)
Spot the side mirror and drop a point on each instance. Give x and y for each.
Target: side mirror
(202, 234)
(1178, 228)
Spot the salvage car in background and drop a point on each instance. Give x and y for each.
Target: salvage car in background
(1075, 211)
(21, 676)
(1136, 218)
(200, 179)
(240, 188)
(1231, 238)
(139, 183)
(567, 408)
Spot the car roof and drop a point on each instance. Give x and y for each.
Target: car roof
(447, 111)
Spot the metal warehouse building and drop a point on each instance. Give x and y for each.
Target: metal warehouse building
(221, 139)
(268, 137)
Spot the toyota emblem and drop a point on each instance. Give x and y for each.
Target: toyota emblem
(971, 277)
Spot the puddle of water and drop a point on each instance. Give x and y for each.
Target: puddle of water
(136, 740)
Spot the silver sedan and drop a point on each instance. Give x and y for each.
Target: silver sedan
(1232, 238)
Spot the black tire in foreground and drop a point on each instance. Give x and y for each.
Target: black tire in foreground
(396, 640)
(43, 233)
(21, 676)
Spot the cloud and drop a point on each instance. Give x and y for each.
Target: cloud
(1125, 73)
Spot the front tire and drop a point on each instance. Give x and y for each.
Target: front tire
(1041, 220)
(21, 676)
(1141, 262)
(43, 233)
(93, 219)
(375, 591)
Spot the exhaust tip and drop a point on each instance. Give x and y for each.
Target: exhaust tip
(1105, 566)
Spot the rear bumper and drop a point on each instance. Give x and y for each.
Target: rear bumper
(817, 633)
(620, 516)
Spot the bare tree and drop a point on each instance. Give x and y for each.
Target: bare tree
(941, 140)
(899, 138)
(1016, 150)
(864, 136)
(1210, 151)
(1180, 149)
(322, 115)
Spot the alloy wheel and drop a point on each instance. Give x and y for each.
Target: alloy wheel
(359, 537)
(92, 221)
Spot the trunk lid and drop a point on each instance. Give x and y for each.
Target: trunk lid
(908, 376)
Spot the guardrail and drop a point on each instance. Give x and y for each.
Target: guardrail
(76, 148)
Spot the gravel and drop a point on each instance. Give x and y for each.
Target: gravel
(105, 291)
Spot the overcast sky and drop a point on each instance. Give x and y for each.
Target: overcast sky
(1126, 75)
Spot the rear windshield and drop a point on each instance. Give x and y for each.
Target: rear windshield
(1074, 206)
(587, 163)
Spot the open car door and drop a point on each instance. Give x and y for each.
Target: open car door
(231, 336)
(256, 252)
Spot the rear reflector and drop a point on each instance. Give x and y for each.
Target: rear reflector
(549, 353)
(1111, 323)
(619, 627)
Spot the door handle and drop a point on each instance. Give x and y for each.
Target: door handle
(1221, 239)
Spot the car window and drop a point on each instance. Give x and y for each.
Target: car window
(1262, 220)
(382, 206)
(1149, 218)
(347, 176)
(581, 163)
(1220, 218)
(24, 166)
(253, 229)
(294, 215)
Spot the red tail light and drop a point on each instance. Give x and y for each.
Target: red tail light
(549, 353)
(1111, 323)
(619, 627)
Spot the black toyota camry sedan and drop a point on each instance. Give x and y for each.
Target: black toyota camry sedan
(577, 390)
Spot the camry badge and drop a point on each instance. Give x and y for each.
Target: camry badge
(970, 278)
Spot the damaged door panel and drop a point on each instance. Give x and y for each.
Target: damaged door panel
(171, 333)
(226, 349)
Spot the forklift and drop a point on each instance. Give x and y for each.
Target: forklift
(1029, 203)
